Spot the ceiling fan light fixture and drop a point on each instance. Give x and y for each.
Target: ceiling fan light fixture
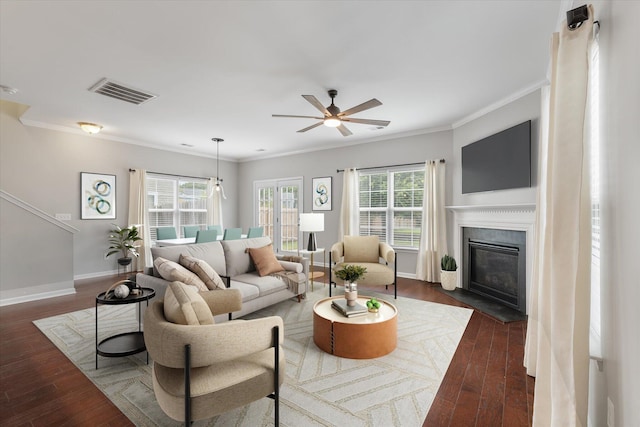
(332, 122)
(90, 128)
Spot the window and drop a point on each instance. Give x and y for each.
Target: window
(391, 206)
(176, 202)
(276, 207)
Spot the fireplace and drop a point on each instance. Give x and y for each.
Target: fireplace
(494, 265)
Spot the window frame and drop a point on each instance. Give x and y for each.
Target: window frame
(178, 213)
(391, 210)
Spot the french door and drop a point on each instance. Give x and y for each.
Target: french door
(277, 205)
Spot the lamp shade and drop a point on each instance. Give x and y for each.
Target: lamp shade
(311, 222)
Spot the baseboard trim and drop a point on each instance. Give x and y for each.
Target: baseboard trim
(35, 297)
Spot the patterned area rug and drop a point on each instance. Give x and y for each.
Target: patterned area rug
(319, 389)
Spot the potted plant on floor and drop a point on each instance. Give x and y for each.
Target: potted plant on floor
(350, 274)
(448, 273)
(121, 240)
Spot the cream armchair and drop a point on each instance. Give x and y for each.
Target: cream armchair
(368, 252)
(202, 369)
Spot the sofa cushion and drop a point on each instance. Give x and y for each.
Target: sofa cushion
(203, 270)
(248, 291)
(361, 249)
(237, 259)
(210, 252)
(265, 260)
(172, 271)
(183, 305)
(265, 285)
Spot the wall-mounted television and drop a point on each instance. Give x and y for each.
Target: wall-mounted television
(499, 161)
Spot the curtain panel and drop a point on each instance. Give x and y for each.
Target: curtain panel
(138, 214)
(433, 233)
(349, 224)
(214, 204)
(557, 345)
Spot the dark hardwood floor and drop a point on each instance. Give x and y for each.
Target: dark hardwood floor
(486, 384)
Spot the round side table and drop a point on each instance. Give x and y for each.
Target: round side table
(127, 343)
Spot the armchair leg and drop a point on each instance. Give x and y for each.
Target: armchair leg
(395, 276)
(187, 385)
(276, 375)
(331, 282)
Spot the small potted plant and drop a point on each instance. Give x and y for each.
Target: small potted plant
(350, 274)
(121, 240)
(448, 273)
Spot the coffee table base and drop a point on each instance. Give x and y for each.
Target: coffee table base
(355, 340)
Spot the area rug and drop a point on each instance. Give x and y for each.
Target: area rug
(319, 389)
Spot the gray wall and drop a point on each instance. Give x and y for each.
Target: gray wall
(620, 206)
(518, 111)
(42, 167)
(410, 149)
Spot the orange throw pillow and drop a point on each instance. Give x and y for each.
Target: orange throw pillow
(265, 260)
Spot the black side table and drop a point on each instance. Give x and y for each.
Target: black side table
(130, 342)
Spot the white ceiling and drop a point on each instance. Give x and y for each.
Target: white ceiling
(221, 68)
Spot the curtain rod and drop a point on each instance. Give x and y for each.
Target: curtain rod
(388, 166)
(171, 174)
(575, 17)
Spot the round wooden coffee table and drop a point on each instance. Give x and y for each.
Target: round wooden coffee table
(358, 337)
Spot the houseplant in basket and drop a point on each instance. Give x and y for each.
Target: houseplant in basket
(448, 273)
(350, 274)
(121, 240)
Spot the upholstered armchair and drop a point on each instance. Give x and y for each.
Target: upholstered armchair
(368, 252)
(202, 369)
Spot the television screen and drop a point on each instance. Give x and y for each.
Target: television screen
(499, 161)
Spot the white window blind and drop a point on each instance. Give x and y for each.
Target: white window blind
(176, 202)
(391, 206)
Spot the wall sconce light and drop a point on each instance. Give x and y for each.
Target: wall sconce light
(90, 128)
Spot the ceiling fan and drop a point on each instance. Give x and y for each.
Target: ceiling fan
(333, 117)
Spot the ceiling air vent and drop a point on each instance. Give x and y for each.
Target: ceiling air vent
(119, 91)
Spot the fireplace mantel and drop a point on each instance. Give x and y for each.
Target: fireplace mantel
(520, 217)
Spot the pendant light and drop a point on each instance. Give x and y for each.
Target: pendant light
(218, 187)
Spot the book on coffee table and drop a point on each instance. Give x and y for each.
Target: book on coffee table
(341, 306)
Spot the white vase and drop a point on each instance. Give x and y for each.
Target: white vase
(351, 293)
(448, 279)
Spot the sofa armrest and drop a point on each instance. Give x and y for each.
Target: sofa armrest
(387, 252)
(301, 260)
(222, 301)
(337, 251)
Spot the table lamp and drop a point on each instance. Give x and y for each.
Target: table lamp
(312, 223)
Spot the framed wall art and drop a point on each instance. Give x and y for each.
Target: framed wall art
(97, 195)
(321, 193)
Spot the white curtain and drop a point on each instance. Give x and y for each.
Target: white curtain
(214, 204)
(433, 234)
(557, 346)
(138, 214)
(350, 209)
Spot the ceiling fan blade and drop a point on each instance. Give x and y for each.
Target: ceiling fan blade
(366, 121)
(314, 101)
(364, 106)
(310, 127)
(343, 130)
(298, 117)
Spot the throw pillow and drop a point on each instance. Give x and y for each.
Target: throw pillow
(203, 270)
(172, 271)
(184, 305)
(265, 260)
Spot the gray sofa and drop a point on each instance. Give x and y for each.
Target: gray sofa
(229, 259)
